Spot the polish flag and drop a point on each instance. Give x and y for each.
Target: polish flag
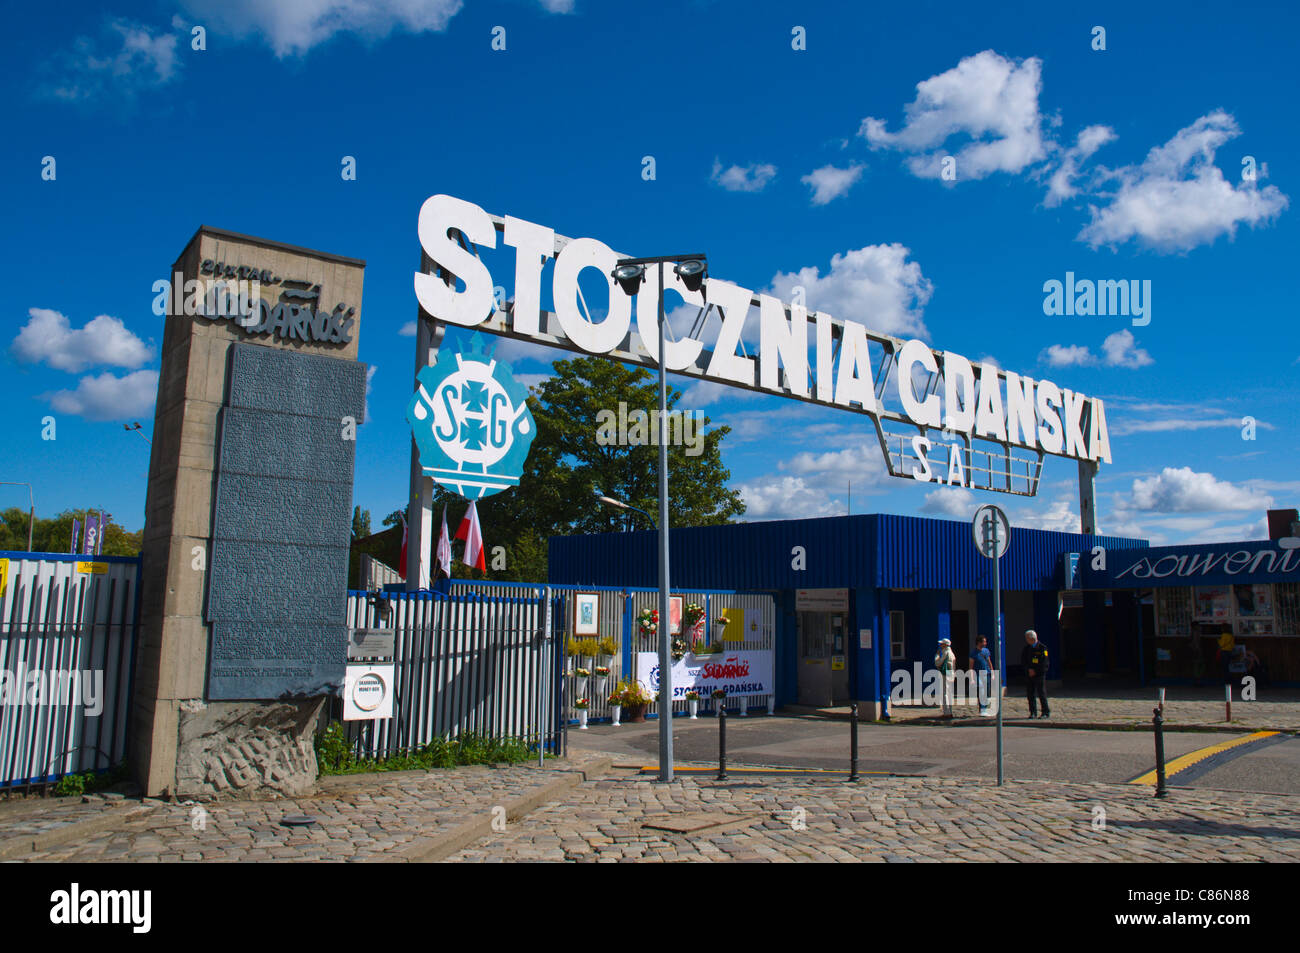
(472, 534)
(401, 562)
(444, 546)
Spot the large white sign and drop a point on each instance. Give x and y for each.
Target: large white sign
(739, 674)
(804, 355)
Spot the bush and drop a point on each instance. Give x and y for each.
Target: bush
(334, 753)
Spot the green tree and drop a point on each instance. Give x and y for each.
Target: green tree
(54, 535)
(360, 522)
(566, 464)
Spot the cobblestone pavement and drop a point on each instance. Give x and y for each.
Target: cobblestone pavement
(899, 819)
(1184, 707)
(359, 817)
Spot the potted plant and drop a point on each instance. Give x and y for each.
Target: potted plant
(571, 648)
(607, 648)
(635, 700)
(719, 700)
(720, 623)
(678, 648)
(602, 674)
(616, 706)
(587, 652)
(581, 706)
(580, 677)
(693, 703)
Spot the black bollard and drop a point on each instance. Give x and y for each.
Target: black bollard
(853, 742)
(722, 742)
(1159, 722)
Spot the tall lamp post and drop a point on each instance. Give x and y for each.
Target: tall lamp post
(620, 505)
(630, 273)
(31, 510)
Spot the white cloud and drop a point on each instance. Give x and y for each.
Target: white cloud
(107, 397)
(532, 380)
(1060, 185)
(1178, 198)
(49, 337)
(785, 498)
(987, 98)
(1183, 490)
(950, 503)
(875, 285)
(292, 27)
(132, 58)
(1118, 350)
(407, 330)
(1178, 423)
(700, 393)
(1121, 350)
(829, 183)
(750, 178)
(813, 484)
(1067, 355)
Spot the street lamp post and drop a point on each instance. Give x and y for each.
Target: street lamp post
(630, 273)
(31, 510)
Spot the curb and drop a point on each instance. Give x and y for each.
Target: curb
(439, 847)
(13, 847)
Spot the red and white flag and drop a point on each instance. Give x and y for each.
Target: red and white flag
(401, 562)
(444, 546)
(472, 533)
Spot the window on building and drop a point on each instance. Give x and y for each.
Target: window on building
(896, 633)
(1287, 608)
(1174, 611)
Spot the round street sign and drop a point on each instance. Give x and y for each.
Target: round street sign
(989, 518)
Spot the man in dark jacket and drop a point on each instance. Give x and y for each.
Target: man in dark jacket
(1034, 659)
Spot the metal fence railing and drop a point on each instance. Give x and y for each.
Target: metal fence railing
(464, 663)
(68, 630)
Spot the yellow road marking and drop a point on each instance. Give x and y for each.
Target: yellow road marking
(731, 770)
(1200, 754)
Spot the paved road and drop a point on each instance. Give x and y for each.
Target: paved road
(1269, 765)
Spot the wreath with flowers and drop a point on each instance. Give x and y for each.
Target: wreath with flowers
(648, 624)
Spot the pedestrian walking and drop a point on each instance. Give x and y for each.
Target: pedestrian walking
(981, 663)
(946, 663)
(1034, 659)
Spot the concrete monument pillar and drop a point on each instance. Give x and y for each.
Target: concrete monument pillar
(248, 517)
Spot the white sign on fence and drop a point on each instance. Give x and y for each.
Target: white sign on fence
(368, 692)
(739, 674)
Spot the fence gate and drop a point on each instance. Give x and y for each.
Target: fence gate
(464, 663)
(68, 628)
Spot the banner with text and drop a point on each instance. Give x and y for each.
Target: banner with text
(739, 674)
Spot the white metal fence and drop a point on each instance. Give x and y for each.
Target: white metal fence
(68, 628)
(463, 663)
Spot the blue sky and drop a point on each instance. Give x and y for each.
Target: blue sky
(1122, 163)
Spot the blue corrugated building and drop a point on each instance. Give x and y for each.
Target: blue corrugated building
(858, 597)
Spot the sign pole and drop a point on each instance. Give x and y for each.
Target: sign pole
(997, 622)
(986, 529)
(665, 621)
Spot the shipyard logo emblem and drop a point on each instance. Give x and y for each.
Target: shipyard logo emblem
(470, 419)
